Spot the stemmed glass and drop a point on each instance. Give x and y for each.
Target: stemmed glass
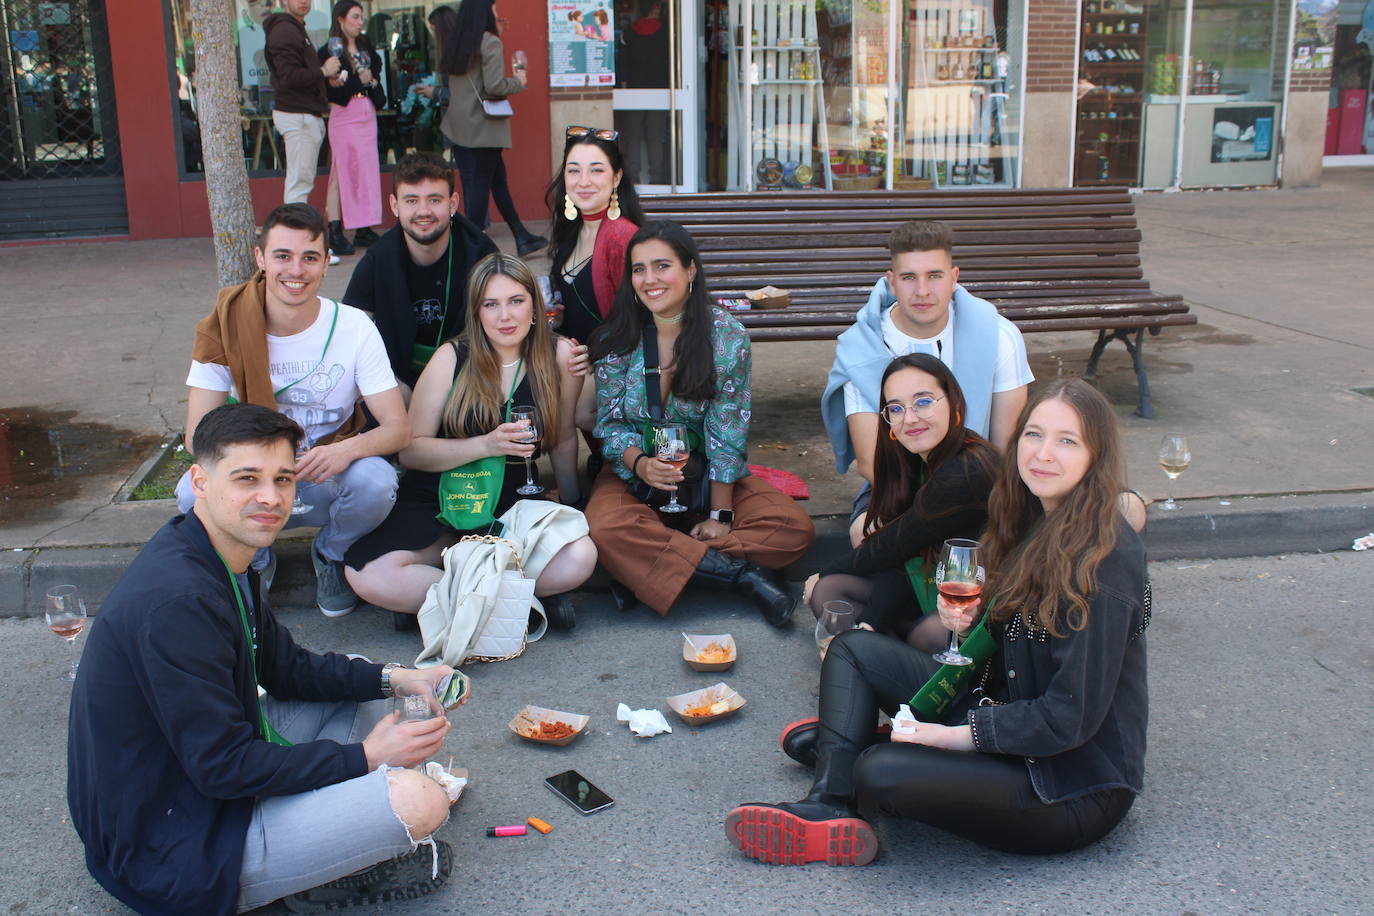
(836, 617)
(670, 444)
(416, 701)
(1174, 459)
(528, 415)
(66, 616)
(298, 507)
(553, 302)
(959, 578)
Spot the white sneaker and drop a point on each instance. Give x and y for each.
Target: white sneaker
(333, 259)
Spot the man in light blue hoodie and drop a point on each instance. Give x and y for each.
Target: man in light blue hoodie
(919, 307)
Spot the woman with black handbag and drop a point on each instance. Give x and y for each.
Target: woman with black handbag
(667, 355)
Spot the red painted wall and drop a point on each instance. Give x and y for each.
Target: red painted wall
(162, 206)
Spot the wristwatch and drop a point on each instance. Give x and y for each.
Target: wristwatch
(723, 515)
(386, 677)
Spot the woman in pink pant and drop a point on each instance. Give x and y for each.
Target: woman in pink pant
(355, 188)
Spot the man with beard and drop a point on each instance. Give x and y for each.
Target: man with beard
(414, 278)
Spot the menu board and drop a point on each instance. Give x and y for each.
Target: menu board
(581, 43)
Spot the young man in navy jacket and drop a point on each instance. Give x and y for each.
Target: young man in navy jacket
(190, 792)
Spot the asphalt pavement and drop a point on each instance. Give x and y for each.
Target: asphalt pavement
(1257, 796)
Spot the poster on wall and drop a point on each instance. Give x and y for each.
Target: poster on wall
(581, 43)
(1242, 134)
(248, 19)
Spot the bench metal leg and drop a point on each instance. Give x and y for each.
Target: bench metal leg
(1137, 350)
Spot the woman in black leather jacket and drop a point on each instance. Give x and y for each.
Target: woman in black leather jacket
(1047, 753)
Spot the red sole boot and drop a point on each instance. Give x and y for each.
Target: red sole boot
(775, 835)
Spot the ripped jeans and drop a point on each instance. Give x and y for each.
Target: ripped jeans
(296, 842)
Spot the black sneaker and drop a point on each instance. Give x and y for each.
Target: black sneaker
(530, 244)
(332, 594)
(364, 237)
(402, 878)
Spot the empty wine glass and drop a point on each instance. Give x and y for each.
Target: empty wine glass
(670, 444)
(1174, 458)
(959, 578)
(528, 415)
(66, 614)
(297, 506)
(836, 617)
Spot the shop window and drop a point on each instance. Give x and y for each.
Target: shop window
(1341, 34)
(400, 35)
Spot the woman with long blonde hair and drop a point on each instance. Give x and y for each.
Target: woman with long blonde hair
(1046, 753)
(460, 414)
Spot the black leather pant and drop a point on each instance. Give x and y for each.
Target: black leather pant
(987, 798)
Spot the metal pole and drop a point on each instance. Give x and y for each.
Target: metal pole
(747, 128)
(1185, 85)
(674, 62)
(1281, 141)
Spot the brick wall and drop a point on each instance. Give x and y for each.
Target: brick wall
(1051, 45)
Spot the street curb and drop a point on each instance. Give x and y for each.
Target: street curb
(1248, 526)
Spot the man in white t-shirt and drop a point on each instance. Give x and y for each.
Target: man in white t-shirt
(275, 342)
(919, 307)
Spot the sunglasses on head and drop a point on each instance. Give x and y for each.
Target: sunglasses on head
(575, 132)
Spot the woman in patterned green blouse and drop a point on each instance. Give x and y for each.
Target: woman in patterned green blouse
(742, 524)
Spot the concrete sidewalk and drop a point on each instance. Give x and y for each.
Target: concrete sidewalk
(96, 340)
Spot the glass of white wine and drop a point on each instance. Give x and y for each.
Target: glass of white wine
(1173, 458)
(66, 614)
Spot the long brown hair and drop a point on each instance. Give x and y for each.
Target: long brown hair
(477, 394)
(1044, 567)
(897, 472)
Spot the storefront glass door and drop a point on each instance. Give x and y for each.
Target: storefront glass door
(658, 74)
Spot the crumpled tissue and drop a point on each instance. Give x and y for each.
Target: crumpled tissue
(643, 722)
(904, 722)
(454, 783)
(1364, 543)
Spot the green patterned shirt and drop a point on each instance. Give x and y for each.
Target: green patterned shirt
(722, 422)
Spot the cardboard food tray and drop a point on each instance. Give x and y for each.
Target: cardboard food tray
(693, 643)
(770, 297)
(721, 691)
(531, 716)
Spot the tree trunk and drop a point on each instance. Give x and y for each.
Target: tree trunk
(221, 140)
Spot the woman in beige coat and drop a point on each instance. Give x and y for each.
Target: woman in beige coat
(473, 62)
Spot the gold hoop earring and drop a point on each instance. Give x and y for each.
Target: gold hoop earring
(569, 211)
(892, 434)
(613, 211)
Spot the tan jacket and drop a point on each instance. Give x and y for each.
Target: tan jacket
(465, 123)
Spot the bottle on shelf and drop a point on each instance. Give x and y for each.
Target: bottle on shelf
(941, 70)
(1104, 168)
(959, 67)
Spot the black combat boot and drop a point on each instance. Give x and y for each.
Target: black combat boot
(723, 572)
(338, 242)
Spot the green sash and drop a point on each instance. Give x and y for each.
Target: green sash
(419, 353)
(931, 701)
(268, 732)
(334, 322)
(922, 577)
(468, 493)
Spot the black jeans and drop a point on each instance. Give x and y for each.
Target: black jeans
(483, 173)
(987, 798)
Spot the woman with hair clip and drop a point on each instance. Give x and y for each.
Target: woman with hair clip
(1047, 752)
(595, 211)
(697, 377)
(354, 200)
(460, 414)
(931, 480)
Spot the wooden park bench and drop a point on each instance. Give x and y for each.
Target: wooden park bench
(1059, 259)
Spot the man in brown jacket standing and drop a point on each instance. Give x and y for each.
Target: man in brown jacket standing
(298, 103)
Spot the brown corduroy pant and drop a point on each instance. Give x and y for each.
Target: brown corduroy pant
(656, 561)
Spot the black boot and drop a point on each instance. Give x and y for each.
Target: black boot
(623, 597)
(364, 237)
(404, 623)
(722, 572)
(527, 242)
(559, 611)
(338, 242)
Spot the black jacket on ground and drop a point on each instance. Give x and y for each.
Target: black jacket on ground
(1078, 705)
(298, 84)
(379, 286)
(164, 755)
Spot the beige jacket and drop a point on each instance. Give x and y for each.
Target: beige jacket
(465, 123)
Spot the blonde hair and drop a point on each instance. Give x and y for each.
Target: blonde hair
(477, 395)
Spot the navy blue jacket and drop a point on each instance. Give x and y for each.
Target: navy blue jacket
(164, 755)
(1079, 704)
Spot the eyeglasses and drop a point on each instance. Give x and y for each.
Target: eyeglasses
(922, 407)
(575, 132)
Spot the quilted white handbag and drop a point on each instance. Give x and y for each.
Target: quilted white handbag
(507, 629)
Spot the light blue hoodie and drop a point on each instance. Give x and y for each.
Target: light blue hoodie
(861, 356)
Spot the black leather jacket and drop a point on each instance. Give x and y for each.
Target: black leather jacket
(1078, 705)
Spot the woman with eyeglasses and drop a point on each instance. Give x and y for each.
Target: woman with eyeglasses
(667, 355)
(931, 480)
(1046, 752)
(473, 61)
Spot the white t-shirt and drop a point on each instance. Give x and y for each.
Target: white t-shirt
(1012, 371)
(325, 390)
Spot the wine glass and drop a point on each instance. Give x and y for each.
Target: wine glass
(670, 444)
(518, 60)
(836, 617)
(66, 616)
(1174, 459)
(959, 577)
(527, 414)
(416, 701)
(298, 507)
(553, 302)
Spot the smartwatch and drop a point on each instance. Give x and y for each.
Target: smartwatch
(386, 677)
(723, 515)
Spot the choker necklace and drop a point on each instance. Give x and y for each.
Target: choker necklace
(674, 320)
(510, 365)
(595, 217)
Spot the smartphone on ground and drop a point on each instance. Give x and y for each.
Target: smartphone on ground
(578, 791)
